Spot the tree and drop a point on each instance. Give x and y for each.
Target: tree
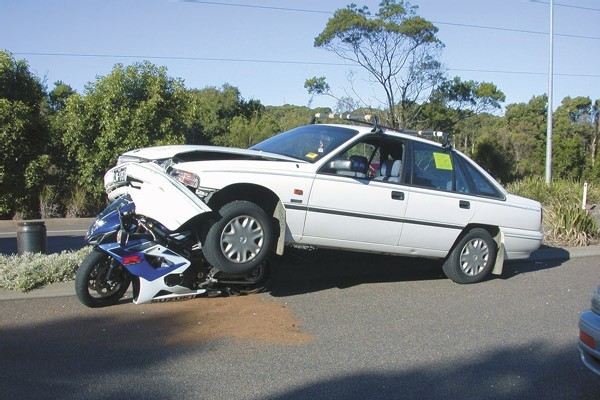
(289, 116)
(573, 136)
(467, 132)
(456, 100)
(23, 138)
(397, 48)
(59, 95)
(134, 106)
(496, 157)
(212, 110)
(244, 132)
(526, 125)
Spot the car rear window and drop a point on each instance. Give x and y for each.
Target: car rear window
(481, 185)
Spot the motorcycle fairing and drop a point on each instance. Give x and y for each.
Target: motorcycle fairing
(151, 278)
(154, 193)
(108, 222)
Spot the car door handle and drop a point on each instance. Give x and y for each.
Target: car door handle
(464, 204)
(397, 195)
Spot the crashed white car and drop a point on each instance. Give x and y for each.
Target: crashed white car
(348, 187)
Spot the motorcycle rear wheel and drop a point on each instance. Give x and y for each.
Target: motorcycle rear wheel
(100, 280)
(253, 281)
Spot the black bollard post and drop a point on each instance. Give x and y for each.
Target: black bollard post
(31, 237)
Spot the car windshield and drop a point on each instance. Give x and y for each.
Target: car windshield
(308, 143)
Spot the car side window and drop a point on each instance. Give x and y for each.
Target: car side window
(359, 155)
(432, 167)
(462, 183)
(375, 157)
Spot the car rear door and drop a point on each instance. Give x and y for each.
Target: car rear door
(438, 207)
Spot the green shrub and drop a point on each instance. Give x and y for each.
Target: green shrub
(32, 270)
(569, 224)
(566, 222)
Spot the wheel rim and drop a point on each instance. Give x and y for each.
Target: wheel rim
(100, 285)
(256, 274)
(474, 257)
(242, 239)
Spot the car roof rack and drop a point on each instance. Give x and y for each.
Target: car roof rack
(361, 119)
(374, 122)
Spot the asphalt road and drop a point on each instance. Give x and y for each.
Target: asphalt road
(381, 328)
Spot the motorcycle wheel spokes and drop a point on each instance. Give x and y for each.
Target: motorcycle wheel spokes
(106, 280)
(100, 280)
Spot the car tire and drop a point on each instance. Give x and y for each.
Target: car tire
(472, 259)
(240, 239)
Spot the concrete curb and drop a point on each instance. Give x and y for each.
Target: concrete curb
(68, 288)
(51, 223)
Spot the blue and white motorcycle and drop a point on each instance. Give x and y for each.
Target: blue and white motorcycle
(165, 263)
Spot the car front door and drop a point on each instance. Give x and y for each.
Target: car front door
(360, 210)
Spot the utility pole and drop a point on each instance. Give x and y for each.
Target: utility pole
(549, 127)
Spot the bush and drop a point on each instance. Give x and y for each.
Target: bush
(565, 221)
(569, 224)
(32, 270)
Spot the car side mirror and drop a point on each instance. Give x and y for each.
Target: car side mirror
(340, 165)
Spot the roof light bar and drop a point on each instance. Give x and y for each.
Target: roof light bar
(350, 117)
(366, 119)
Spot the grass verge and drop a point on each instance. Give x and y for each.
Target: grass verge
(32, 270)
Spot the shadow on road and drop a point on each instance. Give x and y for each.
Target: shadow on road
(65, 358)
(127, 352)
(302, 271)
(530, 371)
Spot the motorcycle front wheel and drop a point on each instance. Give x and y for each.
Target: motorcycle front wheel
(101, 281)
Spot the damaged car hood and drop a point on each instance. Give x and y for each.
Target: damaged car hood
(187, 153)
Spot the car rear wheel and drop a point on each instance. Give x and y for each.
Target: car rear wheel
(473, 257)
(241, 239)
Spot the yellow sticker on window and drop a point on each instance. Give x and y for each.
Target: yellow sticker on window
(312, 155)
(442, 161)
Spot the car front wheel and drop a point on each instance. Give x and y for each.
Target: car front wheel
(241, 239)
(473, 257)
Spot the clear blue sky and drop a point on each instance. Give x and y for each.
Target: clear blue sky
(266, 50)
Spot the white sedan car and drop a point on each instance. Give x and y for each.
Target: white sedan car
(347, 187)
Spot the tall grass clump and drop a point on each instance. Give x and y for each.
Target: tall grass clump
(566, 222)
(31, 270)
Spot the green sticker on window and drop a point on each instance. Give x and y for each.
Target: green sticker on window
(442, 161)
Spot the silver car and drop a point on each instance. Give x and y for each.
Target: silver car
(589, 334)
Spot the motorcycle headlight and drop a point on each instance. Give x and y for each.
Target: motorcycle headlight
(187, 178)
